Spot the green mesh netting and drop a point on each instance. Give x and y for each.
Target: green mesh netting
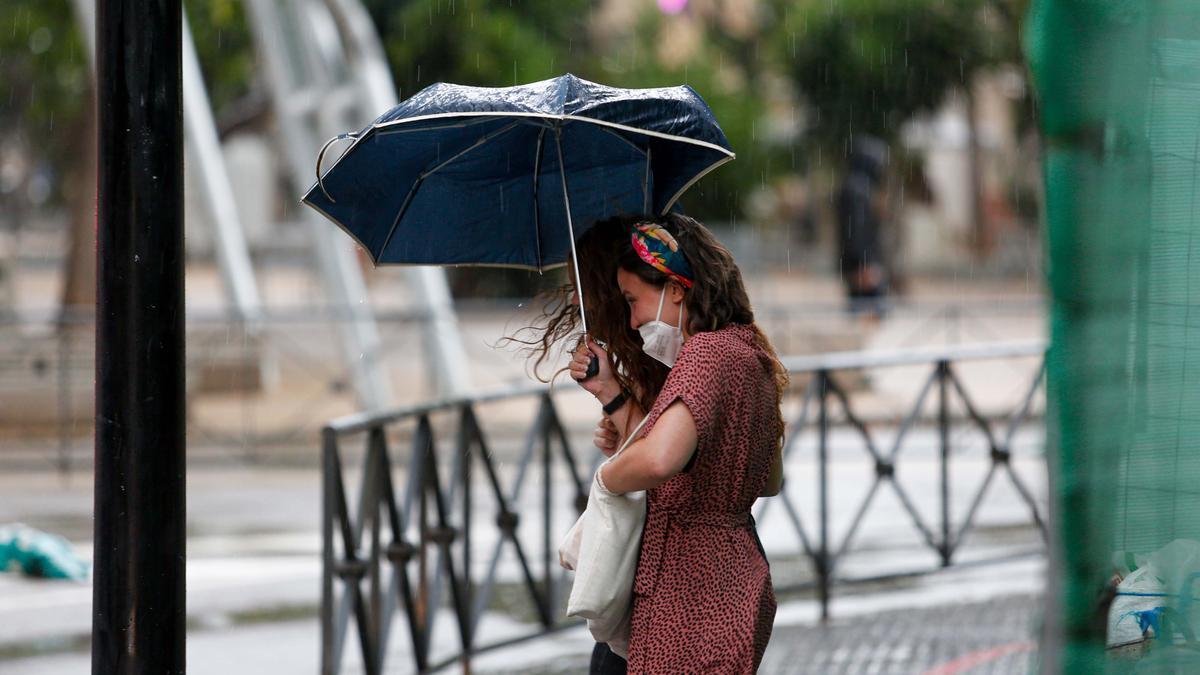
(1119, 90)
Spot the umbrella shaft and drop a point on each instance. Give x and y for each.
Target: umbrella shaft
(562, 169)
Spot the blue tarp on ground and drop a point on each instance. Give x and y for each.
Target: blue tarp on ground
(39, 554)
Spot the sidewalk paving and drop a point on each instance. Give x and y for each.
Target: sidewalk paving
(992, 637)
(968, 621)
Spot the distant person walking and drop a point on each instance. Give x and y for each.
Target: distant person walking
(860, 258)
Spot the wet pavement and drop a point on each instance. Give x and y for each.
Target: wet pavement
(995, 636)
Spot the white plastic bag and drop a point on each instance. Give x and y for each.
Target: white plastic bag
(1141, 591)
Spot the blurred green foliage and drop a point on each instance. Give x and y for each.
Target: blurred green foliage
(44, 81)
(480, 42)
(870, 65)
(722, 69)
(225, 49)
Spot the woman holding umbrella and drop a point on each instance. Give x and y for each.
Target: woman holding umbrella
(460, 175)
(710, 445)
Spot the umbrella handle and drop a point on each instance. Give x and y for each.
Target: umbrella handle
(321, 156)
(592, 369)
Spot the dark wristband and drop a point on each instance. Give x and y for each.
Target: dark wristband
(615, 404)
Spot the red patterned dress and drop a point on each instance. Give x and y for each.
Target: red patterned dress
(703, 601)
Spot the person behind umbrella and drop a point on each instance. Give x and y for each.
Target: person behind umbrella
(636, 373)
(710, 446)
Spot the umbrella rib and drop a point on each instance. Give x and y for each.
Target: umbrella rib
(421, 178)
(474, 146)
(646, 185)
(690, 183)
(441, 127)
(321, 156)
(631, 144)
(537, 215)
(400, 214)
(565, 118)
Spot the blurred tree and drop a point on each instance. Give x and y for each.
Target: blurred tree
(47, 132)
(871, 65)
(481, 43)
(714, 48)
(225, 49)
(45, 95)
(46, 75)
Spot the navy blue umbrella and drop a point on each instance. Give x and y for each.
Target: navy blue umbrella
(509, 177)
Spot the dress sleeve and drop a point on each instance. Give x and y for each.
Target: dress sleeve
(702, 379)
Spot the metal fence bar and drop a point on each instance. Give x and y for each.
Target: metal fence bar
(328, 476)
(943, 369)
(913, 414)
(822, 562)
(969, 520)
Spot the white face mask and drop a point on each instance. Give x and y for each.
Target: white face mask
(660, 340)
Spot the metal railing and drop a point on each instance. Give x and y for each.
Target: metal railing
(369, 582)
(823, 387)
(409, 544)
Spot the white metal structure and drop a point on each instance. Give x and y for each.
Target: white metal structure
(204, 151)
(327, 72)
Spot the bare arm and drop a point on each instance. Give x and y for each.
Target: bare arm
(655, 459)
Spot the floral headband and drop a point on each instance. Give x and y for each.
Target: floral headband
(658, 249)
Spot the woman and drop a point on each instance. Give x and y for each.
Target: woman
(711, 444)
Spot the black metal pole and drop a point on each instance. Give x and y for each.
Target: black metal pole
(138, 624)
(823, 568)
(944, 438)
(328, 495)
(547, 523)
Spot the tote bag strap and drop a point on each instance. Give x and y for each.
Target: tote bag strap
(629, 439)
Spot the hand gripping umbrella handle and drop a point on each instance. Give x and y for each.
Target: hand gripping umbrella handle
(592, 369)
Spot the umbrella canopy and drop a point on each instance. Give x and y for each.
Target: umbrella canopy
(459, 175)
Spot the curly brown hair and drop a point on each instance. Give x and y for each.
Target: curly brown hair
(607, 314)
(718, 295)
(716, 299)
